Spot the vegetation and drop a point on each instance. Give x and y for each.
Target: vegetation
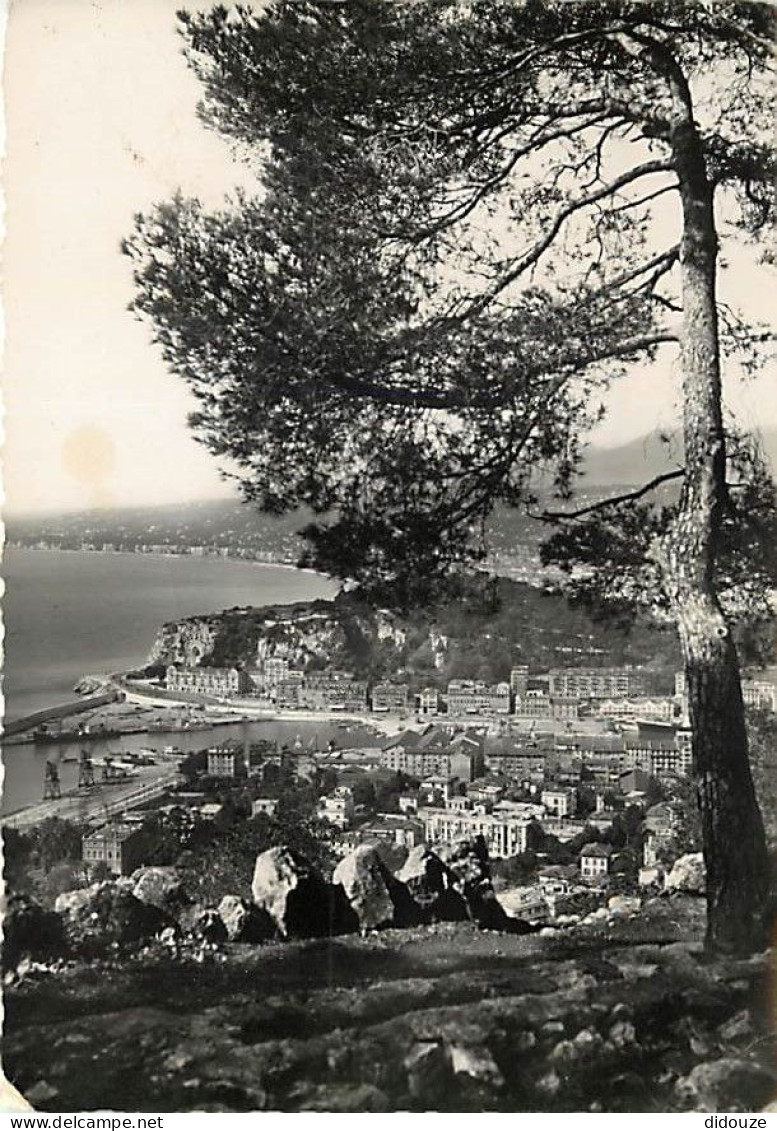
(486, 631)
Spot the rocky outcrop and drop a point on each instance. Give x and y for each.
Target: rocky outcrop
(431, 885)
(160, 886)
(466, 863)
(105, 915)
(245, 922)
(186, 642)
(299, 901)
(725, 1084)
(688, 875)
(378, 898)
(363, 878)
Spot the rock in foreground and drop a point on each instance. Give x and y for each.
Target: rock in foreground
(299, 901)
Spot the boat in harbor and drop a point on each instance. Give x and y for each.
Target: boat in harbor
(44, 737)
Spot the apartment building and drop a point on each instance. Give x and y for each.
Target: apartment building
(221, 683)
(597, 683)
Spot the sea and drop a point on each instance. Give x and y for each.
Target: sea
(72, 613)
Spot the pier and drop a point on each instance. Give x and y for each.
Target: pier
(105, 801)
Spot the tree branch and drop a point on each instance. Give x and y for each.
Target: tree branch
(538, 250)
(615, 500)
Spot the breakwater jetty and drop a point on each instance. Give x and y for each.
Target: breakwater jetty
(76, 707)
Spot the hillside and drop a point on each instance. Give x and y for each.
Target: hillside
(473, 640)
(653, 454)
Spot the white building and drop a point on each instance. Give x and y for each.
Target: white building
(505, 835)
(657, 710)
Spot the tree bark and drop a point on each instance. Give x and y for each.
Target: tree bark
(733, 835)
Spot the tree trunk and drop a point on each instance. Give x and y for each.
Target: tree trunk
(733, 836)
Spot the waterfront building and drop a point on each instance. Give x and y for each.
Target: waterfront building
(660, 710)
(275, 669)
(224, 683)
(473, 697)
(391, 697)
(597, 683)
(332, 691)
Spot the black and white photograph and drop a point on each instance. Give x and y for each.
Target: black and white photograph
(390, 557)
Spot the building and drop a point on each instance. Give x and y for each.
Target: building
(121, 846)
(390, 697)
(438, 751)
(219, 683)
(437, 789)
(288, 693)
(559, 802)
(337, 807)
(519, 680)
(428, 701)
(485, 792)
(211, 810)
(660, 710)
(505, 834)
(472, 697)
(595, 861)
(275, 669)
(226, 762)
(533, 705)
(516, 761)
(266, 805)
(332, 691)
(597, 683)
(635, 781)
(393, 828)
(759, 693)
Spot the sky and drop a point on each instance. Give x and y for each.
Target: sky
(100, 124)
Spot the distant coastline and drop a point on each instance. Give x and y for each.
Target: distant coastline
(187, 554)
